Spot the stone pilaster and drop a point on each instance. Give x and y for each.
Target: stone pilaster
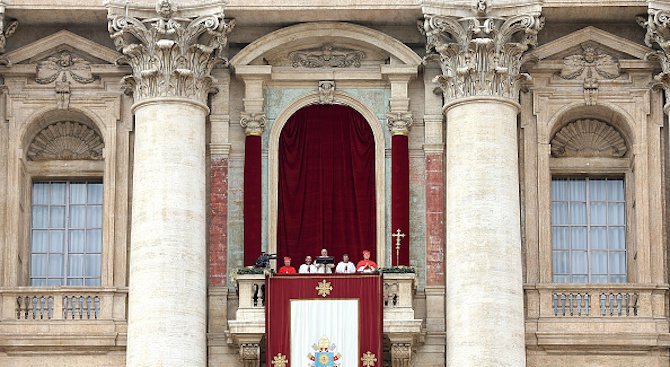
(401, 354)
(480, 60)
(657, 24)
(172, 56)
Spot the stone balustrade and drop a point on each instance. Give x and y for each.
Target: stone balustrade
(595, 300)
(70, 318)
(43, 304)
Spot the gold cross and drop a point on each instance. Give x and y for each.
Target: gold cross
(368, 359)
(279, 360)
(324, 288)
(398, 235)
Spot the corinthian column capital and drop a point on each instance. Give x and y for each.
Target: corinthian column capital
(480, 55)
(253, 123)
(170, 56)
(657, 24)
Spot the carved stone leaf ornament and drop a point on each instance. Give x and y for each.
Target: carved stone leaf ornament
(591, 60)
(480, 56)
(66, 140)
(171, 56)
(399, 122)
(588, 138)
(657, 24)
(326, 56)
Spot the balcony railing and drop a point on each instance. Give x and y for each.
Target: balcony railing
(612, 303)
(44, 304)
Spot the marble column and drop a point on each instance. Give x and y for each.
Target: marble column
(399, 124)
(480, 59)
(172, 56)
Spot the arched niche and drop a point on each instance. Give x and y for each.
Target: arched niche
(273, 163)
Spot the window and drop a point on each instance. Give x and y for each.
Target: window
(588, 230)
(66, 233)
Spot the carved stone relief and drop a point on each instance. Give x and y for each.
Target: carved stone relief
(480, 56)
(327, 56)
(250, 354)
(66, 140)
(399, 122)
(7, 29)
(62, 69)
(401, 354)
(590, 64)
(588, 138)
(326, 92)
(253, 123)
(657, 24)
(171, 56)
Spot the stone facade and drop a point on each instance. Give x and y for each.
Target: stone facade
(156, 99)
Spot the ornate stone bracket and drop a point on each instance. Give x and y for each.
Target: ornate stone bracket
(589, 65)
(326, 92)
(657, 24)
(480, 56)
(399, 122)
(401, 354)
(253, 123)
(250, 354)
(171, 56)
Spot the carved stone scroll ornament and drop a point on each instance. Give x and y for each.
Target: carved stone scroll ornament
(61, 69)
(399, 122)
(170, 56)
(657, 24)
(253, 123)
(326, 56)
(590, 64)
(588, 138)
(66, 140)
(7, 29)
(326, 92)
(480, 56)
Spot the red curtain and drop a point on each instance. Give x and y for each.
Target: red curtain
(280, 290)
(326, 184)
(252, 199)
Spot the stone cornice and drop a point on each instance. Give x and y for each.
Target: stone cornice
(481, 55)
(170, 56)
(657, 24)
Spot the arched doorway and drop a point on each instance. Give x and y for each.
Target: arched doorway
(326, 183)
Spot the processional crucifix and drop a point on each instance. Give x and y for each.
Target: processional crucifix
(398, 236)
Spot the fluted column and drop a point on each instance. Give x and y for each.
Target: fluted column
(172, 57)
(480, 59)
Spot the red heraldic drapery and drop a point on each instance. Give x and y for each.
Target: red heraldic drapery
(400, 197)
(302, 311)
(252, 199)
(326, 183)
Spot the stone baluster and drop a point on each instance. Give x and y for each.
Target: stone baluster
(480, 60)
(172, 55)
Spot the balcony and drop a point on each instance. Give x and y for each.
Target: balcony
(400, 326)
(596, 315)
(64, 318)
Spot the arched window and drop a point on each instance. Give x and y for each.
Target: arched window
(66, 207)
(588, 203)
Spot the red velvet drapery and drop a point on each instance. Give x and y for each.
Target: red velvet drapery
(326, 184)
